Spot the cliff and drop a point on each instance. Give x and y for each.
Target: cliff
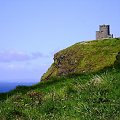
(84, 57)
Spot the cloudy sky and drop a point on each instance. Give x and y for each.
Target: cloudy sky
(31, 31)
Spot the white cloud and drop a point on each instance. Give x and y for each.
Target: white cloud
(10, 56)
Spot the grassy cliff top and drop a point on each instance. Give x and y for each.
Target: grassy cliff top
(84, 57)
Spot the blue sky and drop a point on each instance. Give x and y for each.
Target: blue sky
(31, 31)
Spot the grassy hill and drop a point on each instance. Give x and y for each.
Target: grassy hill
(89, 95)
(84, 57)
(79, 97)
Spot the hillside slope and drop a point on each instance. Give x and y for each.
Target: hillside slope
(84, 57)
(82, 97)
(92, 95)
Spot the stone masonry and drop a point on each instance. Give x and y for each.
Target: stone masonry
(104, 32)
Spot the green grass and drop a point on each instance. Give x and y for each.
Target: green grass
(92, 96)
(90, 92)
(85, 57)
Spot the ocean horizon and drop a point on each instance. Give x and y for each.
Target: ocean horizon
(8, 86)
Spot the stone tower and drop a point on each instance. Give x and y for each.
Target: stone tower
(104, 32)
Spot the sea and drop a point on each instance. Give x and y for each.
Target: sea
(7, 86)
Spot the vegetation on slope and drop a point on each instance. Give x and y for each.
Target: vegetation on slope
(89, 89)
(84, 57)
(93, 96)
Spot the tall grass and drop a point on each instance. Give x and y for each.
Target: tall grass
(82, 97)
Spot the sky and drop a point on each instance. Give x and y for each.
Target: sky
(31, 31)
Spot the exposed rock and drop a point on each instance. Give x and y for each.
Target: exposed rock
(64, 64)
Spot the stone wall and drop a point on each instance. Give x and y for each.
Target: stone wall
(104, 32)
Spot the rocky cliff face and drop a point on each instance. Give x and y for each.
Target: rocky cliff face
(64, 64)
(84, 57)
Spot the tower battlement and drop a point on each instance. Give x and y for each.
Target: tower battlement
(104, 32)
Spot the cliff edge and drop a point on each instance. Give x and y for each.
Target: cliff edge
(84, 57)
